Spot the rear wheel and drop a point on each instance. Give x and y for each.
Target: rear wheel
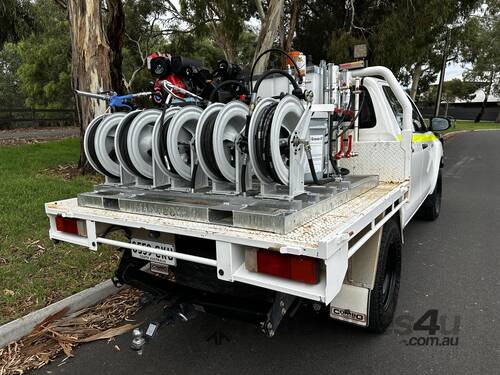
(431, 208)
(384, 295)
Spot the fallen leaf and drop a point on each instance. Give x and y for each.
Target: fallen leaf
(8, 292)
(112, 332)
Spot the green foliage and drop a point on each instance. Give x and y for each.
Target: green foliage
(481, 48)
(10, 88)
(453, 90)
(222, 20)
(37, 69)
(399, 34)
(16, 20)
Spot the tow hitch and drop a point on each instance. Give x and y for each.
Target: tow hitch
(182, 303)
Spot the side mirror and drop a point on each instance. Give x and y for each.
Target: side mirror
(439, 124)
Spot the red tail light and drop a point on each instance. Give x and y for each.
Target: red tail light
(70, 225)
(303, 269)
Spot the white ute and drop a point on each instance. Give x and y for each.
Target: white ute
(347, 259)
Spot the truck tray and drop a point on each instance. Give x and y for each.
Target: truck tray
(250, 212)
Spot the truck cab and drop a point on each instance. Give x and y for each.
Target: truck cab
(381, 119)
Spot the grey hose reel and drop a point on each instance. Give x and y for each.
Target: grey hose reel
(99, 145)
(134, 144)
(219, 130)
(275, 145)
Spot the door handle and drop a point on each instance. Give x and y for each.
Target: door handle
(424, 145)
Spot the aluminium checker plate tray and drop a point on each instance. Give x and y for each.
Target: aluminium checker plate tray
(269, 215)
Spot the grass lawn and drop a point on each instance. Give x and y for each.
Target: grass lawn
(33, 271)
(471, 125)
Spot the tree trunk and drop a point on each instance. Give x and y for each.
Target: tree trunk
(90, 61)
(114, 32)
(294, 15)
(269, 28)
(417, 73)
(498, 117)
(487, 93)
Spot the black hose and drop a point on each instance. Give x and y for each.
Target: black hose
(313, 170)
(225, 83)
(262, 142)
(122, 143)
(269, 51)
(243, 178)
(193, 176)
(207, 149)
(165, 159)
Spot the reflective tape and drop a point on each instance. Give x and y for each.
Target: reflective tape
(419, 138)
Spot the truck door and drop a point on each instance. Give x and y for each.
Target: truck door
(426, 139)
(420, 160)
(420, 153)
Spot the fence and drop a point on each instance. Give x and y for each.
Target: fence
(463, 111)
(11, 118)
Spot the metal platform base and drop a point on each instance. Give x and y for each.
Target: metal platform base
(269, 215)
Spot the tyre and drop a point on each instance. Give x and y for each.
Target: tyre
(431, 207)
(384, 295)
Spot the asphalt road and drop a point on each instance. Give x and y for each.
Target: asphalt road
(451, 265)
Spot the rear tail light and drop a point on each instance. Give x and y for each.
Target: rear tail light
(71, 226)
(297, 268)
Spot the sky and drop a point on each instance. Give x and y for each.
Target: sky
(453, 70)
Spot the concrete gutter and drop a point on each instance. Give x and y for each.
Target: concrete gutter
(18, 328)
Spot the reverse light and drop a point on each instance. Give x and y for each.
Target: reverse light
(292, 267)
(70, 225)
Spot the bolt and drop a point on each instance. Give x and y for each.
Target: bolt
(271, 333)
(283, 311)
(282, 304)
(316, 307)
(269, 325)
(221, 272)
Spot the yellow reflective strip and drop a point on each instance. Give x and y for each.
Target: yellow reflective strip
(423, 138)
(418, 138)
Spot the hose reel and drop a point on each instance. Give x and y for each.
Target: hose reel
(99, 145)
(163, 170)
(134, 145)
(276, 139)
(219, 130)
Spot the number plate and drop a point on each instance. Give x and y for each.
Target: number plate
(156, 258)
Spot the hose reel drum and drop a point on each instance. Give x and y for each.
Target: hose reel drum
(276, 140)
(99, 146)
(173, 154)
(217, 135)
(133, 143)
